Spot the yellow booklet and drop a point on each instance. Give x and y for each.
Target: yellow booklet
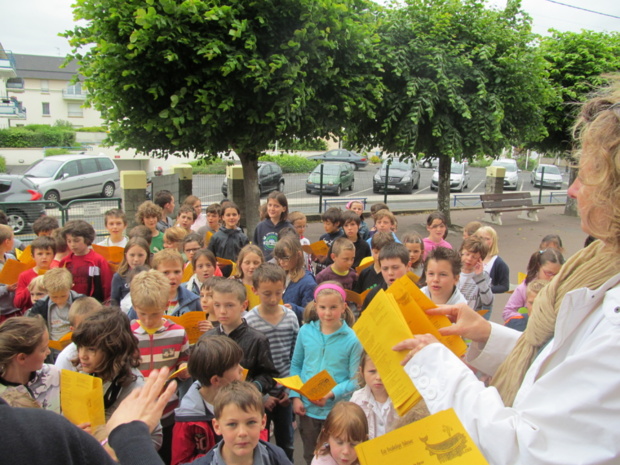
(188, 272)
(207, 239)
(357, 299)
(81, 398)
(365, 263)
(190, 322)
(225, 262)
(11, 271)
(61, 343)
(253, 299)
(316, 248)
(380, 327)
(314, 389)
(439, 438)
(25, 256)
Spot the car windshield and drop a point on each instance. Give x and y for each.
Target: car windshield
(508, 165)
(550, 169)
(43, 169)
(399, 165)
(456, 168)
(327, 169)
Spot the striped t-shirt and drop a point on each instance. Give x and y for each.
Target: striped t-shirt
(167, 347)
(281, 337)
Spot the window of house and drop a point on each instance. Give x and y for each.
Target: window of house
(75, 110)
(45, 85)
(75, 89)
(46, 108)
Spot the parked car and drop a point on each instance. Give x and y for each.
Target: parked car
(430, 162)
(336, 178)
(552, 177)
(270, 178)
(17, 188)
(511, 179)
(344, 156)
(64, 177)
(459, 177)
(403, 176)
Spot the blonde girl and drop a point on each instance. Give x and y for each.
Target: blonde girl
(250, 258)
(327, 342)
(23, 350)
(344, 428)
(493, 264)
(415, 246)
(300, 284)
(373, 399)
(204, 265)
(137, 253)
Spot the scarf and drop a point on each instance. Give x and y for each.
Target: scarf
(590, 267)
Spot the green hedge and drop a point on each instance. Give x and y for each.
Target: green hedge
(531, 164)
(36, 135)
(2, 164)
(93, 129)
(481, 162)
(291, 163)
(216, 167)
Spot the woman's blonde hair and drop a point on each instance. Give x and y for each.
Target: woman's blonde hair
(493, 248)
(598, 132)
(346, 421)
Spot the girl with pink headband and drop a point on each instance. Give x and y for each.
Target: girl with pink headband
(327, 342)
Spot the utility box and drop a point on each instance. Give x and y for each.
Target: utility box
(184, 172)
(236, 191)
(133, 184)
(495, 180)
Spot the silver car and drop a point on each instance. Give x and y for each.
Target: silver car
(64, 177)
(459, 177)
(511, 179)
(552, 177)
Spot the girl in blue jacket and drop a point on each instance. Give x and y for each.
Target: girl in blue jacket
(327, 342)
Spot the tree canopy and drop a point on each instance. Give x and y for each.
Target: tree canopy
(577, 62)
(461, 80)
(206, 76)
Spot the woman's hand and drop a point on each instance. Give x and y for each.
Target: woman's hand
(298, 407)
(414, 345)
(468, 323)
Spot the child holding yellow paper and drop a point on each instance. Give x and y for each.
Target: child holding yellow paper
(374, 399)
(345, 427)
(443, 269)
(325, 343)
(137, 253)
(43, 250)
(107, 348)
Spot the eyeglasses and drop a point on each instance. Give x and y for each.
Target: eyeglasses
(192, 250)
(283, 259)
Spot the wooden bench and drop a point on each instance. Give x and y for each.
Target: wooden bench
(495, 204)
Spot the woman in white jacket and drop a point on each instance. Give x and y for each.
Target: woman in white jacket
(555, 397)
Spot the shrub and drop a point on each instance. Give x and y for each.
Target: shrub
(36, 135)
(203, 167)
(291, 163)
(93, 129)
(2, 164)
(481, 162)
(298, 145)
(375, 159)
(531, 164)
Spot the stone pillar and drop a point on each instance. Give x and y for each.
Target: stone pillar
(236, 191)
(133, 184)
(495, 180)
(185, 181)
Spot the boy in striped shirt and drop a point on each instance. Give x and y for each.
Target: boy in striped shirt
(162, 343)
(280, 325)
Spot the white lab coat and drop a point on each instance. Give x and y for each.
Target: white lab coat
(567, 410)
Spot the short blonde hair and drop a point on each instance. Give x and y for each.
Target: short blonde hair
(6, 233)
(36, 283)
(175, 234)
(82, 306)
(167, 255)
(385, 214)
(58, 280)
(150, 289)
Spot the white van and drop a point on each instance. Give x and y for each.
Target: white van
(64, 177)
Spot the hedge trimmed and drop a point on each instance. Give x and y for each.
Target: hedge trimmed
(36, 135)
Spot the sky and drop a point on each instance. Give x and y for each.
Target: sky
(32, 26)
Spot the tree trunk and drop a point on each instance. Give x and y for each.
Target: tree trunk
(443, 191)
(250, 208)
(570, 209)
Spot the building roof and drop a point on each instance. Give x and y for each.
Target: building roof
(43, 67)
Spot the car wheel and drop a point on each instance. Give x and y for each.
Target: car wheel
(375, 190)
(351, 186)
(354, 166)
(108, 190)
(417, 184)
(426, 164)
(308, 191)
(17, 220)
(281, 185)
(52, 196)
(339, 190)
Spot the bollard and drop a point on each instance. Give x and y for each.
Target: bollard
(495, 180)
(185, 181)
(236, 191)
(133, 184)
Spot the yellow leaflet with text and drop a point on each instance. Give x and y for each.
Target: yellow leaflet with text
(11, 271)
(413, 277)
(190, 322)
(61, 343)
(113, 254)
(439, 438)
(412, 303)
(81, 398)
(380, 327)
(188, 272)
(357, 299)
(314, 389)
(317, 248)
(365, 263)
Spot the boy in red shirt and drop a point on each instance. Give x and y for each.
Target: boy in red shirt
(43, 249)
(91, 272)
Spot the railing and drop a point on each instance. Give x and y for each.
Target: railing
(461, 198)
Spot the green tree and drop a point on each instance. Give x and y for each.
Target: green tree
(207, 76)
(578, 62)
(462, 80)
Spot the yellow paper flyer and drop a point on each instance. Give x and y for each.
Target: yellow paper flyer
(190, 322)
(81, 398)
(11, 271)
(61, 343)
(187, 273)
(314, 389)
(439, 438)
(316, 248)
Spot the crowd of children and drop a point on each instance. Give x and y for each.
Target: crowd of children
(269, 309)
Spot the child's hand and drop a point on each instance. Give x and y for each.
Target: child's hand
(298, 407)
(478, 267)
(184, 374)
(270, 403)
(204, 326)
(289, 306)
(85, 427)
(11, 287)
(283, 399)
(323, 400)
